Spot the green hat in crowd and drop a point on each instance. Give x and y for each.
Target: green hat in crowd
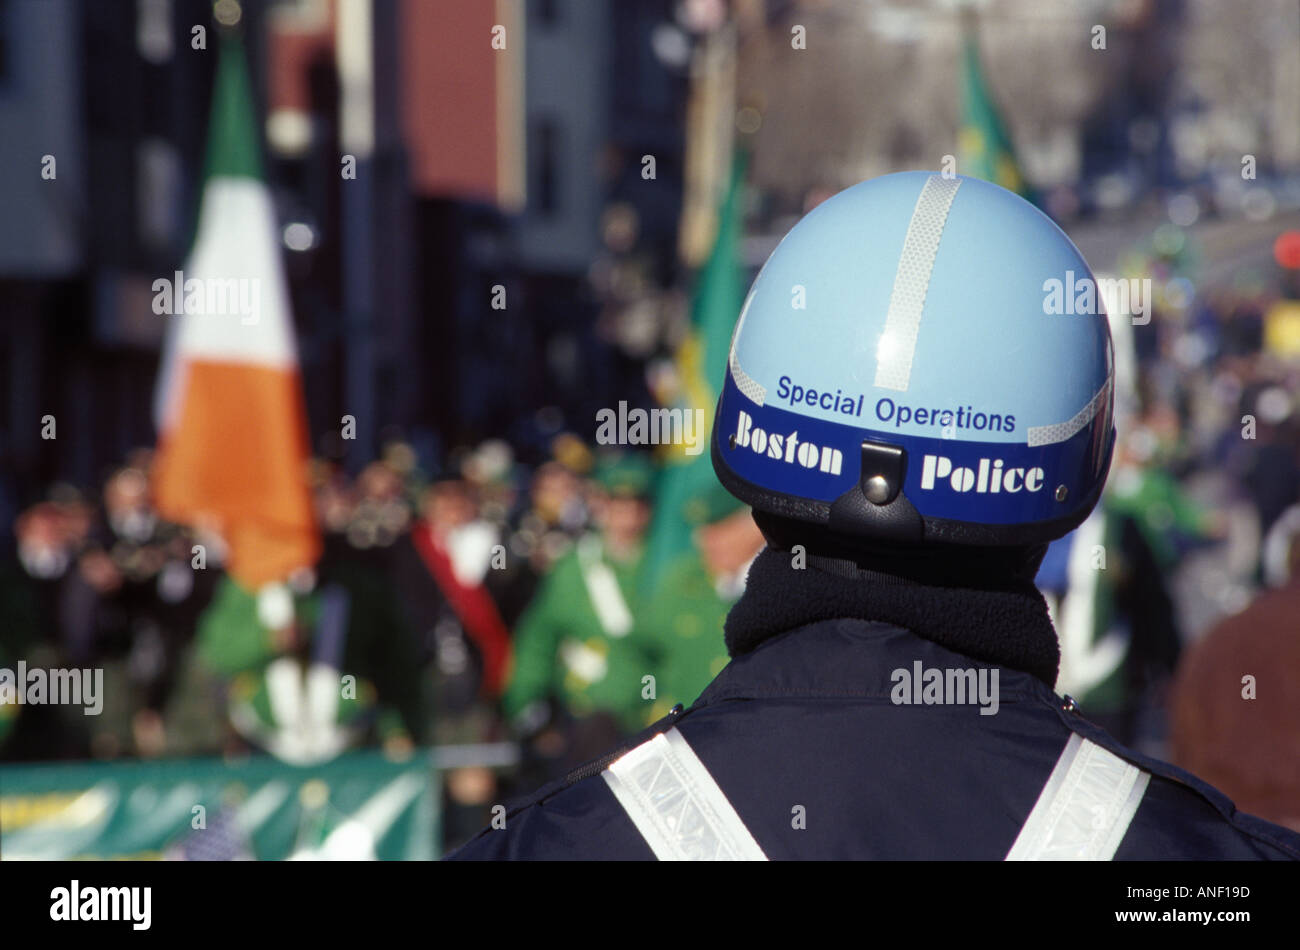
(713, 504)
(628, 475)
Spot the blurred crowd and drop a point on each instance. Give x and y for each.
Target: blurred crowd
(1181, 594)
(1204, 503)
(493, 602)
(504, 602)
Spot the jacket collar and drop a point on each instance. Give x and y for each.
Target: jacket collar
(850, 660)
(1006, 625)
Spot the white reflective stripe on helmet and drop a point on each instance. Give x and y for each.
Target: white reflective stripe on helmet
(751, 387)
(1085, 809)
(677, 806)
(1060, 431)
(912, 281)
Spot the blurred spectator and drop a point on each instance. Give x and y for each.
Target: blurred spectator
(152, 597)
(444, 572)
(556, 517)
(440, 572)
(1171, 522)
(1236, 704)
(683, 619)
(512, 580)
(1114, 618)
(120, 596)
(1272, 477)
(575, 645)
(381, 512)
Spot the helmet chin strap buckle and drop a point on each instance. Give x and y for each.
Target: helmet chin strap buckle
(876, 505)
(883, 468)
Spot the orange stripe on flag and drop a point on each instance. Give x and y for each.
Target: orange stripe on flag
(238, 454)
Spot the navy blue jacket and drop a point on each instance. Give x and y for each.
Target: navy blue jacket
(806, 719)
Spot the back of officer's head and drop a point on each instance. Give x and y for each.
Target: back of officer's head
(920, 375)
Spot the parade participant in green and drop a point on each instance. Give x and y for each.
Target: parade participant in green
(575, 643)
(683, 619)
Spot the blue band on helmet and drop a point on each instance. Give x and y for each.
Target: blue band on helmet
(950, 478)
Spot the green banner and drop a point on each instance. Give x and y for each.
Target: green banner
(360, 806)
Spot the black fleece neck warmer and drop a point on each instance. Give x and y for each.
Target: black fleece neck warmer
(990, 613)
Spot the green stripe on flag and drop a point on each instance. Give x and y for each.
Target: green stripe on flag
(233, 140)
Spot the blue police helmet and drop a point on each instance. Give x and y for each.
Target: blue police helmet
(923, 358)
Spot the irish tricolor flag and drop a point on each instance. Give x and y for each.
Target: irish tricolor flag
(233, 447)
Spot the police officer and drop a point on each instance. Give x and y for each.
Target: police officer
(910, 441)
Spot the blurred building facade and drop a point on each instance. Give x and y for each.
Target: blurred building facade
(523, 168)
(480, 168)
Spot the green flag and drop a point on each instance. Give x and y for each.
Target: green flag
(986, 150)
(701, 364)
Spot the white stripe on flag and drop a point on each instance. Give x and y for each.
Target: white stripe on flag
(238, 307)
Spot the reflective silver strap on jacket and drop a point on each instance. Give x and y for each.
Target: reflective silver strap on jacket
(1084, 810)
(1082, 813)
(677, 806)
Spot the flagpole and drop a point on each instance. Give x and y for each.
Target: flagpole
(710, 135)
